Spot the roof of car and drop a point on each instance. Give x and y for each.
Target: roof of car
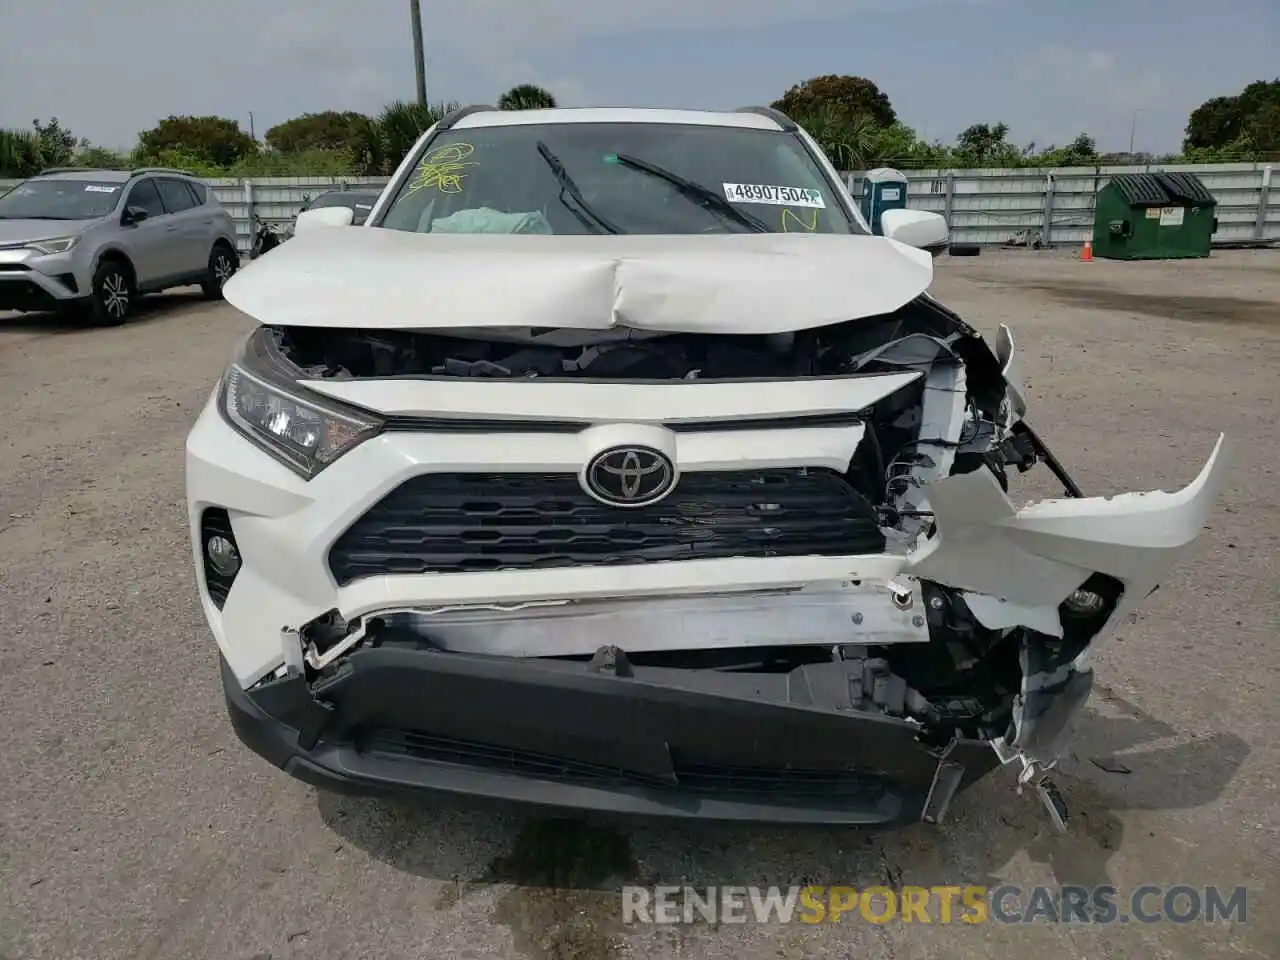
(107, 176)
(706, 118)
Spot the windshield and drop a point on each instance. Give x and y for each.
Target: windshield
(637, 178)
(59, 200)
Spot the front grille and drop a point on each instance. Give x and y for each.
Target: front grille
(456, 523)
(775, 783)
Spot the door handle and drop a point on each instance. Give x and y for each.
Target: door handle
(170, 229)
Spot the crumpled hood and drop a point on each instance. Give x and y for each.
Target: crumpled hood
(737, 283)
(24, 231)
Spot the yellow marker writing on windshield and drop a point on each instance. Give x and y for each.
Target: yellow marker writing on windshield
(442, 169)
(789, 215)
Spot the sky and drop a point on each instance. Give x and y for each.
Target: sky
(1050, 69)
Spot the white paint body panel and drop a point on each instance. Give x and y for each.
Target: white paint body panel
(725, 283)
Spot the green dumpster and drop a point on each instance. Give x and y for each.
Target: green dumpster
(1154, 216)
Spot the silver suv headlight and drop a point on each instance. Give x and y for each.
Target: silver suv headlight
(54, 245)
(305, 432)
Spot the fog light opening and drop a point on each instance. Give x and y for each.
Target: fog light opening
(223, 556)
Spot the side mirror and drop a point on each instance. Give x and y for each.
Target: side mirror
(916, 228)
(134, 214)
(324, 217)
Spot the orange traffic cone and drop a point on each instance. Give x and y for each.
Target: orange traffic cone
(1086, 252)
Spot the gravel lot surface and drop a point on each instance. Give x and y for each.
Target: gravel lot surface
(133, 825)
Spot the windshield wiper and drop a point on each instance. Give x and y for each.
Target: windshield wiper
(697, 192)
(584, 211)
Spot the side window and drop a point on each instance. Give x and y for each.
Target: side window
(144, 195)
(175, 195)
(197, 191)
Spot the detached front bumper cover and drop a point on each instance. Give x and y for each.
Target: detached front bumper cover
(803, 746)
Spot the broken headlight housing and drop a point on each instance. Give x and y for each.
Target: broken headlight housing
(264, 403)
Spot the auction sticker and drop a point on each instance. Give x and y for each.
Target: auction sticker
(95, 188)
(774, 195)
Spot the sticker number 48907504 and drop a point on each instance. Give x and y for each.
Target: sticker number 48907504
(777, 196)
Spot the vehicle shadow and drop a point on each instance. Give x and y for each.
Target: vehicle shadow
(148, 309)
(559, 878)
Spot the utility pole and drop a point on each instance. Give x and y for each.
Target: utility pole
(419, 64)
(252, 135)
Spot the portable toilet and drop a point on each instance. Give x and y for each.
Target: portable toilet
(883, 189)
(1154, 216)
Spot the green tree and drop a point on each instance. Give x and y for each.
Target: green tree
(987, 145)
(850, 96)
(1254, 114)
(401, 124)
(1239, 149)
(215, 140)
(329, 130)
(1214, 123)
(847, 141)
(57, 143)
(1263, 128)
(19, 153)
(1081, 151)
(367, 149)
(99, 158)
(526, 96)
(1259, 103)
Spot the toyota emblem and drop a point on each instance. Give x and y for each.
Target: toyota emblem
(630, 476)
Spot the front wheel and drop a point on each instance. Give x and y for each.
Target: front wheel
(222, 267)
(113, 294)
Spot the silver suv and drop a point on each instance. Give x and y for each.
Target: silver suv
(95, 240)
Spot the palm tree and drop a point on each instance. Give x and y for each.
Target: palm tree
(851, 143)
(19, 153)
(401, 124)
(526, 96)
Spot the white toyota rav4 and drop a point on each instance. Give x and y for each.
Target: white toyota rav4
(614, 464)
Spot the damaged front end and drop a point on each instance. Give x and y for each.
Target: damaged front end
(809, 644)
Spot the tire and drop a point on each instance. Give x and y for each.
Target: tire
(114, 293)
(223, 264)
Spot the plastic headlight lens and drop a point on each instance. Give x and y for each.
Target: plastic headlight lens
(56, 245)
(303, 434)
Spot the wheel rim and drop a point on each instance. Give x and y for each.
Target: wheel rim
(115, 295)
(223, 268)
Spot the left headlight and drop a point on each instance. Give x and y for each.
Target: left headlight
(54, 245)
(306, 434)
